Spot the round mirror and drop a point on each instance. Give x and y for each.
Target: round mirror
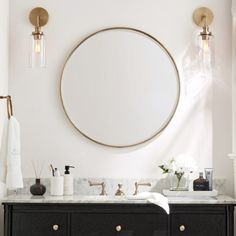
(120, 87)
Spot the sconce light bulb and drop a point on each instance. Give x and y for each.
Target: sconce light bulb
(37, 46)
(206, 46)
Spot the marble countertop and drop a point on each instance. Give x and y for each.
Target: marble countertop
(221, 199)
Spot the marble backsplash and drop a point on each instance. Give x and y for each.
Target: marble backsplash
(81, 186)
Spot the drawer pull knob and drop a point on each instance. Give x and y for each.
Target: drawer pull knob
(55, 227)
(182, 228)
(118, 228)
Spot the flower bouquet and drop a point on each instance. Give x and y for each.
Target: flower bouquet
(178, 169)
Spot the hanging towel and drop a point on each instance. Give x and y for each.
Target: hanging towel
(155, 198)
(10, 169)
(3, 152)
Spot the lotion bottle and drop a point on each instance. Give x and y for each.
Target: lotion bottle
(68, 181)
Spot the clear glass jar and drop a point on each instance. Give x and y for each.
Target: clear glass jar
(179, 181)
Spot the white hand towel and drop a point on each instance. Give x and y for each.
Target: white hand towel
(155, 198)
(3, 152)
(10, 156)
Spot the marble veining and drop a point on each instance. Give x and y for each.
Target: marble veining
(81, 186)
(24, 198)
(83, 193)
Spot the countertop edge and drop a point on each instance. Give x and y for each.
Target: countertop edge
(27, 199)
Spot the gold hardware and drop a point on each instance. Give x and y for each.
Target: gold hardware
(38, 17)
(55, 227)
(4, 97)
(182, 228)
(203, 17)
(158, 133)
(9, 105)
(119, 191)
(140, 184)
(103, 192)
(118, 228)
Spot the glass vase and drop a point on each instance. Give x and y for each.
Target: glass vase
(179, 182)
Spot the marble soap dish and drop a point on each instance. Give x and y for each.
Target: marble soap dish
(169, 193)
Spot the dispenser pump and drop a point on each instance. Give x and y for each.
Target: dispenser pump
(67, 169)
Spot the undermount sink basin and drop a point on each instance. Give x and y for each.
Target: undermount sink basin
(98, 198)
(105, 197)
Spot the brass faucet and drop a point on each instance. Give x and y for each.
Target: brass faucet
(119, 191)
(140, 184)
(103, 192)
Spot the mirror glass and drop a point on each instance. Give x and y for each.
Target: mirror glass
(120, 87)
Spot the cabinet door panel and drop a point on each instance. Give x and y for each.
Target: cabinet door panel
(198, 225)
(119, 225)
(39, 224)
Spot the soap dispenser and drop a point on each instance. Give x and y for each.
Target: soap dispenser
(68, 181)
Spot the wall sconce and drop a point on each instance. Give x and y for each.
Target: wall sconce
(203, 17)
(38, 18)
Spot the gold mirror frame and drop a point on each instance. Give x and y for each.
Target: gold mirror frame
(159, 44)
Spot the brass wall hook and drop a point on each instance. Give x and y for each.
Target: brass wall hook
(9, 105)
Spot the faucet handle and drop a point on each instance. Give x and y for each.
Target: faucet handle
(140, 184)
(119, 191)
(103, 192)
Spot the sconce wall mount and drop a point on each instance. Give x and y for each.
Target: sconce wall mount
(38, 17)
(203, 17)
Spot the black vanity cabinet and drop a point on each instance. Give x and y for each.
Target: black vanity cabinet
(133, 224)
(201, 220)
(39, 224)
(36, 219)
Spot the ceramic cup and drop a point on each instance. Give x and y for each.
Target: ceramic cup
(57, 186)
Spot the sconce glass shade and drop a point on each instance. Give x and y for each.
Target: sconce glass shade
(37, 51)
(206, 54)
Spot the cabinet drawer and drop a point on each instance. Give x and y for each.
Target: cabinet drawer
(198, 224)
(39, 224)
(119, 224)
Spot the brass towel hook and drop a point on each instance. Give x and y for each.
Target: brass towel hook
(9, 105)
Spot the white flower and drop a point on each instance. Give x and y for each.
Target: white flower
(184, 163)
(181, 164)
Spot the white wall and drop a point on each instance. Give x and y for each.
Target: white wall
(48, 135)
(4, 50)
(4, 37)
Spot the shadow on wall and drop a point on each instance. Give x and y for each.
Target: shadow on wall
(196, 75)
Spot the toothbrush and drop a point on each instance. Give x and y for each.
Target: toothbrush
(52, 169)
(56, 172)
